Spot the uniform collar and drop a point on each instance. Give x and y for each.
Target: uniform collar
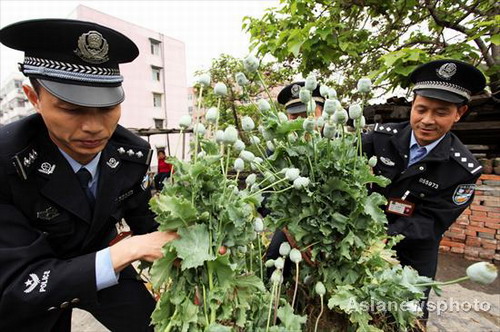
(92, 166)
(428, 147)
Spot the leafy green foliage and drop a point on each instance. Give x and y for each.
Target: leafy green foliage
(384, 40)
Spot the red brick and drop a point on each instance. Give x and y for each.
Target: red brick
(481, 229)
(457, 250)
(479, 213)
(489, 177)
(489, 245)
(455, 235)
(469, 233)
(457, 229)
(462, 222)
(482, 219)
(449, 243)
(463, 218)
(487, 253)
(497, 258)
(493, 215)
(485, 235)
(497, 236)
(477, 223)
(444, 248)
(478, 207)
(472, 252)
(492, 225)
(466, 212)
(473, 242)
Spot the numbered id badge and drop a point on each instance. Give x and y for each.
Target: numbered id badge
(400, 207)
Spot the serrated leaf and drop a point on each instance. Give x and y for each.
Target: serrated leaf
(173, 211)
(193, 246)
(291, 321)
(161, 269)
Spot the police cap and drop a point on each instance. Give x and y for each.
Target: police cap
(75, 61)
(289, 97)
(449, 80)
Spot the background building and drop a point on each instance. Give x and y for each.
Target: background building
(155, 83)
(13, 102)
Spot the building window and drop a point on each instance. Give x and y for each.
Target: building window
(155, 47)
(156, 71)
(157, 99)
(158, 123)
(190, 110)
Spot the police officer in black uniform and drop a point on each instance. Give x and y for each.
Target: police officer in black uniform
(432, 173)
(295, 108)
(69, 173)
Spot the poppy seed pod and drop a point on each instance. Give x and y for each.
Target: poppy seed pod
(220, 89)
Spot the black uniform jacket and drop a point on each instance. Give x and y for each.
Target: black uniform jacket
(441, 186)
(48, 234)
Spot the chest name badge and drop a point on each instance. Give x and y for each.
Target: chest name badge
(463, 193)
(429, 183)
(400, 207)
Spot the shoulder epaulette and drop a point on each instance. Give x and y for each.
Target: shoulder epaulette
(24, 160)
(465, 159)
(134, 153)
(385, 129)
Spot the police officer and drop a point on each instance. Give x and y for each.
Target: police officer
(295, 108)
(69, 173)
(432, 173)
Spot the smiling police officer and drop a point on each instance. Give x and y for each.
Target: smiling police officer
(69, 173)
(432, 173)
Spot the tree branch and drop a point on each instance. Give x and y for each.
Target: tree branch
(460, 28)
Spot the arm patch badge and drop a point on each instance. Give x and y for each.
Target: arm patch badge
(463, 193)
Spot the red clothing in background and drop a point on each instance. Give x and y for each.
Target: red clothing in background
(164, 167)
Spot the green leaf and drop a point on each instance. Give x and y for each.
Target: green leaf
(161, 269)
(193, 246)
(291, 321)
(223, 269)
(495, 39)
(295, 46)
(214, 327)
(173, 211)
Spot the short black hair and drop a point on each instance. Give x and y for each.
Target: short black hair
(35, 84)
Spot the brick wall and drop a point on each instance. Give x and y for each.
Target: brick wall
(476, 233)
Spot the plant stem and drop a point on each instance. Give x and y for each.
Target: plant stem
(196, 122)
(211, 287)
(296, 283)
(450, 282)
(205, 304)
(267, 91)
(260, 257)
(269, 186)
(218, 115)
(319, 316)
(270, 306)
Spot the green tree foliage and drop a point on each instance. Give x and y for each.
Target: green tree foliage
(382, 39)
(235, 104)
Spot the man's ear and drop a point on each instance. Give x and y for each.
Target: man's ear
(32, 96)
(461, 111)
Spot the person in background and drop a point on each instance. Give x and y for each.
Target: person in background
(69, 174)
(164, 170)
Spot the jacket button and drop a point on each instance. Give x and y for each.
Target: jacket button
(421, 168)
(51, 308)
(422, 195)
(64, 305)
(75, 300)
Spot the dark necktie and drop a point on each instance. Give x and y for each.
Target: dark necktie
(417, 156)
(84, 177)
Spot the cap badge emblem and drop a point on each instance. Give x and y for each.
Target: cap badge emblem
(92, 47)
(447, 70)
(46, 168)
(295, 90)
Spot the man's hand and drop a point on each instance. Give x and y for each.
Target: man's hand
(146, 247)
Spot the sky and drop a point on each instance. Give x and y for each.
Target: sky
(208, 28)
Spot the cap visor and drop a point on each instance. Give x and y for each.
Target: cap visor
(297, 108)
(82, 95)
(441, 95)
